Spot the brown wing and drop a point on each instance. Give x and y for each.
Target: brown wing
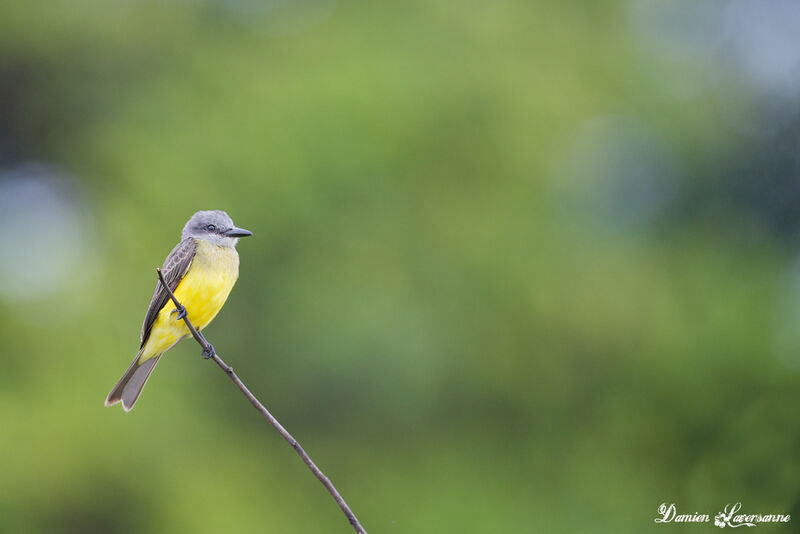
(175, 266)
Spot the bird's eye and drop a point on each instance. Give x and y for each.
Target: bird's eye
(211, 227)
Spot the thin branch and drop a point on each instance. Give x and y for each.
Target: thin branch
(208, 352)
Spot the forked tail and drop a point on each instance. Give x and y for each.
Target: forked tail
(130, 385)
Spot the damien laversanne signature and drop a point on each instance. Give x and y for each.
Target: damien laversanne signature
(728, 517)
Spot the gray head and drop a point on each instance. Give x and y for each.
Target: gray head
(214, 226)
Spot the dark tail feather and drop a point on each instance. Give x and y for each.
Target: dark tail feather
(130, 385)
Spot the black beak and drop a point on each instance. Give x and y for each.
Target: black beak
(237, 232)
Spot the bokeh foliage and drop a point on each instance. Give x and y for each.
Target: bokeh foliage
(467, 329)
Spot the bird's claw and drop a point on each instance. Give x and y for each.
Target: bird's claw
(208, 351)
(181, 312)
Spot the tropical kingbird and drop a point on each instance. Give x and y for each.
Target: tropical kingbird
(201, 271)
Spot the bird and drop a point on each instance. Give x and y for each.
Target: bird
(201, 271)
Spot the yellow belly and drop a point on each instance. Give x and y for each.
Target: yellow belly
(203, 291)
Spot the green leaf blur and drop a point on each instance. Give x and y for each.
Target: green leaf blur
(513, 270)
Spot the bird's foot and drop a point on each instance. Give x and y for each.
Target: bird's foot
(208, 351)
(181, 312)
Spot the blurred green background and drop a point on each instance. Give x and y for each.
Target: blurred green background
(518, 266)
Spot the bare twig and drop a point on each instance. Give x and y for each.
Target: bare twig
(208, 352)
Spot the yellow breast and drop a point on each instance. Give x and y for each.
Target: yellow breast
(202, 291)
